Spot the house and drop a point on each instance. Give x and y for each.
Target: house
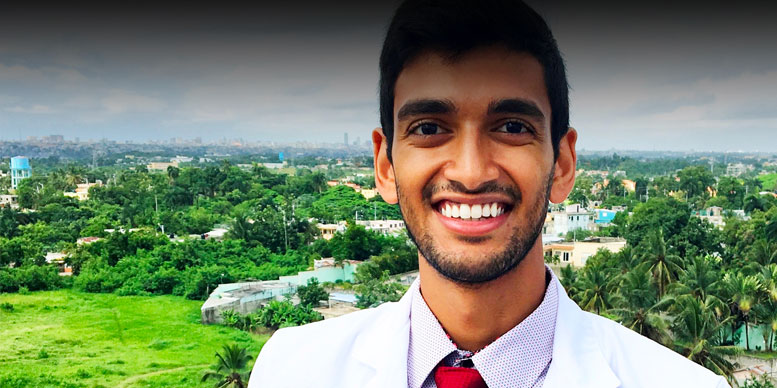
(604, 217)
(574, 217)
(577, 253)
(383, 226)
(161, 166)
(82, 190)
(328, 230)
(9, 201)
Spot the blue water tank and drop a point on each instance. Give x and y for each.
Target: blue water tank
(20, 163)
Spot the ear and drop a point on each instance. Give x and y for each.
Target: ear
(566, 164)
(384, 171)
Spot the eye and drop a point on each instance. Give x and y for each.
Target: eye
(427, 129)
(514, 127)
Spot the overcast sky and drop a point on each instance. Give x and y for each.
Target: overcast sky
(652, 77)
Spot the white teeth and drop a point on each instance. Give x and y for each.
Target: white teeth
(467, 211)
(476, 211)
(464, 211)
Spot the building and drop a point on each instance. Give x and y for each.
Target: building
(736, 169)
(604, 217)
(328, 230)
(577, 253)
(247, 297)
(574, 217)
(161, 166)
(20, 170)
(82, 190)
(9, 201)
(383, 226)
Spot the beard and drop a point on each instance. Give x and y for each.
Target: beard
(457, 266)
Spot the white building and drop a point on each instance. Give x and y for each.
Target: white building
(574, 217)
(577, 253)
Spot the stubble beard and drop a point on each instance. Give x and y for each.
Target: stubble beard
(458, 267)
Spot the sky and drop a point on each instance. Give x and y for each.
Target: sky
(652, 76)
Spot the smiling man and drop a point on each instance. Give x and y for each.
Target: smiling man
(474, 143)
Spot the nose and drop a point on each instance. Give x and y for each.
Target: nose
(471, 162)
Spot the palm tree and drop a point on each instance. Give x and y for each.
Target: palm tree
(595, 284)
(701, 278)
(663, 265)
(766, 313)
(762, 253)
(698, 337)
(628, 259)
(639, 308)
(569, 280)
(228, 370)
(743, 292)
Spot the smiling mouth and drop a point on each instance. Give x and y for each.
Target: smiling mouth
(471, 212)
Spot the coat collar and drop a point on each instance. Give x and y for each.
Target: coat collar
(577, 358)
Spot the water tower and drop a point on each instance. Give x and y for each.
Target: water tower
(20, 169)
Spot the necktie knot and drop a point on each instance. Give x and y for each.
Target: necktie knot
(458, 377)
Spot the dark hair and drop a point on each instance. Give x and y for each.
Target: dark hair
(457, 26)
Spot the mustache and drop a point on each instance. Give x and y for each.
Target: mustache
(457, 187)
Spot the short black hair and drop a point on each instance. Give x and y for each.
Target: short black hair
(455, 27)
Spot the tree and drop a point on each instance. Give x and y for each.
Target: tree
(639, 308)
(357, 243)
(663, 265)
(312, 293)
(229, 369)
(743, 292)
(596, 284)
(698, 336)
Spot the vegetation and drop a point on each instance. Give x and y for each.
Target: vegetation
(230, 368)
(68, 338)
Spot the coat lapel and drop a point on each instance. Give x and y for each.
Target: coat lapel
(577, 358)
(382, 348)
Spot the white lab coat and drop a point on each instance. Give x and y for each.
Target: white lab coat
(368, 349)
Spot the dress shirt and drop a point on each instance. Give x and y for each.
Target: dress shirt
(519, 358)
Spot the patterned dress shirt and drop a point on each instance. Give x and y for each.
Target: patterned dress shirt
(518, 359)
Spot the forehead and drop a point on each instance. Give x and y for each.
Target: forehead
(472, 79)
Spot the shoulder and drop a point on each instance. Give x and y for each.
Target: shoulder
(308, 354)
(640, 362)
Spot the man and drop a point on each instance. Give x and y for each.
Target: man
(474, 143)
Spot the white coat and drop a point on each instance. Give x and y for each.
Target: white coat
(368, 349)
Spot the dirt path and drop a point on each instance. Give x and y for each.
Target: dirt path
(135, 379)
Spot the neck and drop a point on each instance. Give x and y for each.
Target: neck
(476, 316)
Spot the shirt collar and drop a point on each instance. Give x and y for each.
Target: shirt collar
(516, 359)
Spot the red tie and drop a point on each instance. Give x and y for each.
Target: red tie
(458, 377)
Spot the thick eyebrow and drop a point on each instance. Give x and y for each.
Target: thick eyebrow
(516, 106)
(425, 107)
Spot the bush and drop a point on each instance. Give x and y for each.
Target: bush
(312, 293)
(6, 306)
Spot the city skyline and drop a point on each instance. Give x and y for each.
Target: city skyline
(674, 78)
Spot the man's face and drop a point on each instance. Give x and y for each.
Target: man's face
(473, 161)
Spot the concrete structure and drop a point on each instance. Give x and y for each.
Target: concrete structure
(384, 226)
(604, 217)
(248, 297)
(577, 253)
(82, 191)
(20, 170)
(328, 230)
(161, 166)
(9, 201)
(574, 217)
(736, 169)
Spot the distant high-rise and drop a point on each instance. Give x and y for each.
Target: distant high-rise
(20, 169)
(345, 139)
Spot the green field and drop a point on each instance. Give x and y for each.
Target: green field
(73, 339)
(769, 181)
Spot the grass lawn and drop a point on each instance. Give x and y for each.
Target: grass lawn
(72, 339)
(769, 181)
